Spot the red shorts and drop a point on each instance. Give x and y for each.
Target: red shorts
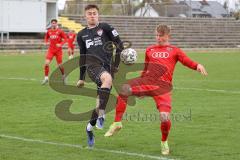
(58, 55)
(71, 46)
(159, 90)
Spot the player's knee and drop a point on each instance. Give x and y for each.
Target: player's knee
(47, 62)
(125, 90)
(106, 79)
(164, 116)
(60, 65)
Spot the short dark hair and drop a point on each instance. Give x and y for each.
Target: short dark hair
(54, 20)
(90, 6)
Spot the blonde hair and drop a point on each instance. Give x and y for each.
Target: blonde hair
(163, 29)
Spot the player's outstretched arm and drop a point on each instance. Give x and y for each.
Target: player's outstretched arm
(185, 60)
(202, 70)
(64, 39)
(46, 39)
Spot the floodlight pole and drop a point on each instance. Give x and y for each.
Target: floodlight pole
(190, 8)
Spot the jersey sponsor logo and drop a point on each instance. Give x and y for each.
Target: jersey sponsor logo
(115, 33)
(53, 36)
(160, 54)
(89, 43)
(97, 41)
(100, 32)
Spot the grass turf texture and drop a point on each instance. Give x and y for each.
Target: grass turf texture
(205, 119)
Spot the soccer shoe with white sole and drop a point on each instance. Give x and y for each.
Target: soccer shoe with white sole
(90, 137)
(100, 123)
(70, 57)
(164, 148)
(113, 129)
(45, 81)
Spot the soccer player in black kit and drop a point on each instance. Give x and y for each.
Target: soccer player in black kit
(96, 54)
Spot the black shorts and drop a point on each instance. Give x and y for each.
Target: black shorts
(95, 72)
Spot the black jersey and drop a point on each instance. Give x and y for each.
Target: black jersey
(96, 46)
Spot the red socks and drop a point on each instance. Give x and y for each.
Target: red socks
(121, 107)
(165, 128)
(61, 69)
(46, 70)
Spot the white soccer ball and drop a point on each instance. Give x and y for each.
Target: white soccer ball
(129, 56)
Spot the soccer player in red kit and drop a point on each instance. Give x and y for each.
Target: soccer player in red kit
(55, 38)
(155, 81)
(71, 36)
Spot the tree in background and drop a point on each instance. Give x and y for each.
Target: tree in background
(237, 11)
(111, 7)
(225, 5)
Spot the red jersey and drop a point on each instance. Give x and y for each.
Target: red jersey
(165, 57)
(71, 38)
(55, 36)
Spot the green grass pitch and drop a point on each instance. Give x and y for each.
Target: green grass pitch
(205, 118)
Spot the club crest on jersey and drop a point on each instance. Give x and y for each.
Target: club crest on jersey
(169, 49)
(100, 32)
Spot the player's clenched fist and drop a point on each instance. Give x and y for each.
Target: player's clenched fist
(80, 83)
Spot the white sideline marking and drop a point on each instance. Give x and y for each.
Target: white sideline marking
(209, 90)
(34, 79)
(81, 147)
(206, 80)
(19, 78)
(178, 88)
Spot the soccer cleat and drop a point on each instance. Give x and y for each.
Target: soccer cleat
(100, 123)
(70, 57)
(113, 129)
(90, 136)
(45, 81)
(164, 148)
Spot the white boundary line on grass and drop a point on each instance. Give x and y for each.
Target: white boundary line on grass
(178, 88)
(81, 147)
(207, 80)
(19, 78)
(208, 90)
